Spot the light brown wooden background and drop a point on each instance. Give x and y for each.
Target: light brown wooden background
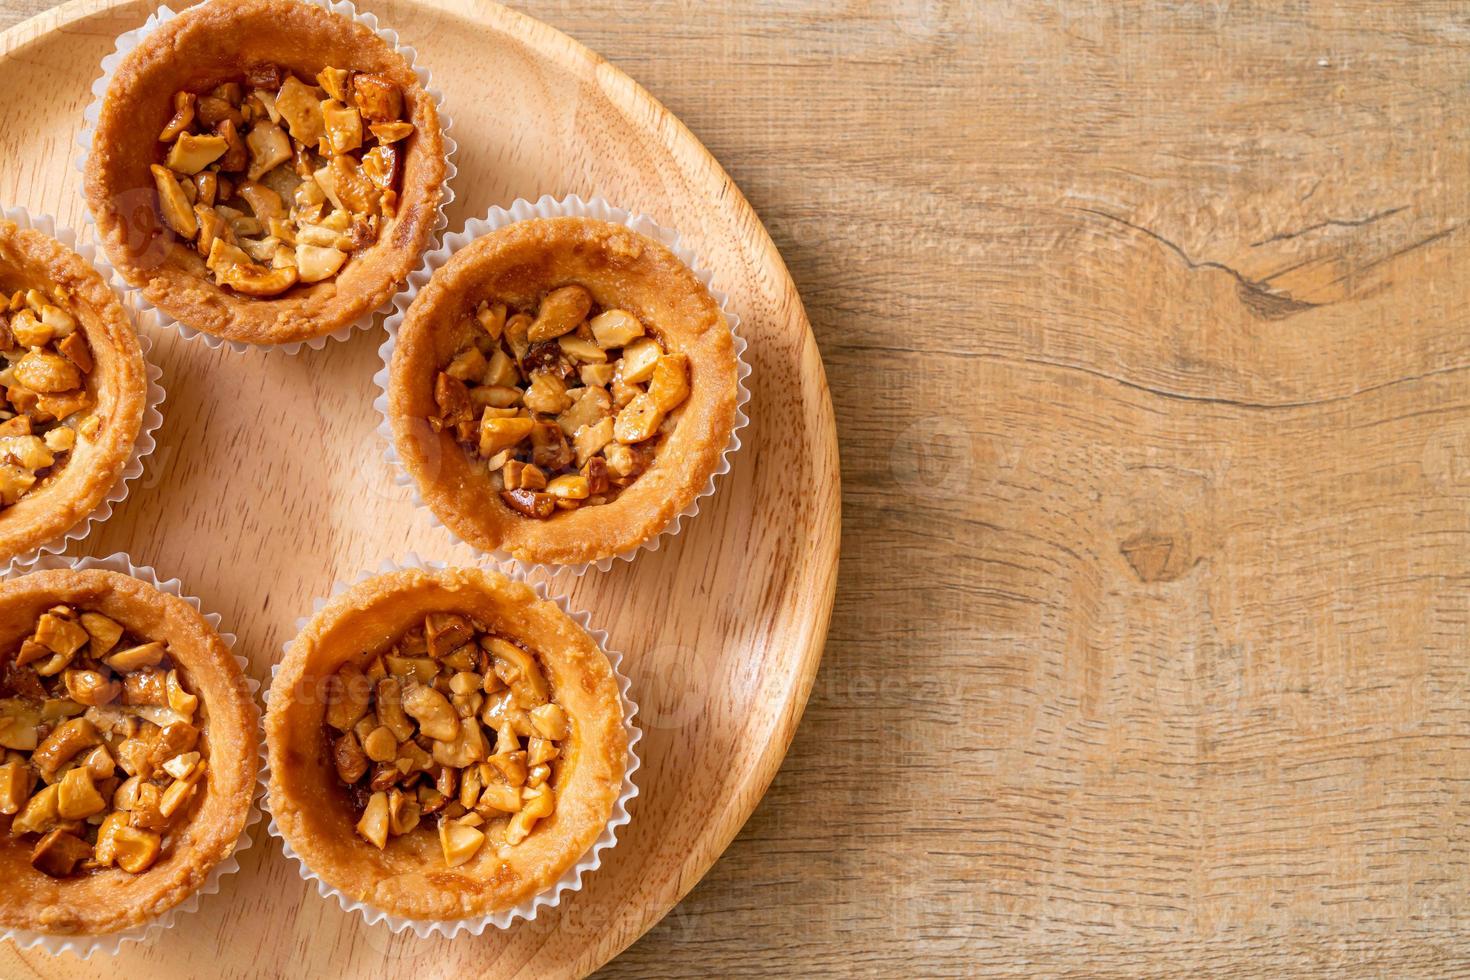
(1148, 331)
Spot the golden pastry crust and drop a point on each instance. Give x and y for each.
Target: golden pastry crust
(110, 900)
(211, 43)
(408, 877)
(118, 381)
(518, 264)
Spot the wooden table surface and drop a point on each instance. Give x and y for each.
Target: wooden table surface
(1146, 328)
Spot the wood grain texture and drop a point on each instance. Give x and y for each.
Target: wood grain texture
(1146, 331)
(269, 484)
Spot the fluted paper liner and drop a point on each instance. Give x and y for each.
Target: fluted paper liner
(110, 943)
(571, 879)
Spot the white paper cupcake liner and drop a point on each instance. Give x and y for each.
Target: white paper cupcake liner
(144, 444)
(111, 943)
(128, 41)
(571, 879)
(570, 206)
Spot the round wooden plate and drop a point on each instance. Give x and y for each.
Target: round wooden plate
(269, 484)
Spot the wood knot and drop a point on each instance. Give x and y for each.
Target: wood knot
(1156, 557)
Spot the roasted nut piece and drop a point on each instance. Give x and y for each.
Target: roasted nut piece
(459, 842)
(379, 99)
(178, 793)
(354, 191)
(269, 147)
(497, 434)
(467, 747)
(61, 635)
(173, 740)
(136, 657)
(178, 698)
(59, 852)
(348, 693)
(182, 118)
(146, 813)
(580, 350)
(235, 157)
(135, 849)
(15, 787)
(560, 312)
(380, 745)
(639, 420)
(518, 669)
(540, 751)
(530, 503)
(374, 823)
(500, 796)
(446, 633)
(547, 394)
(512, 766)
(213, 110)
(550, 721)
(432, 711)
(537, 806)
(104, 634)
(100, 763)
(348, 757)
(78, 798)
(572, 486)
(69, 738)
(615, 328)
(39, 814)
(301, 108)
(182, 766)
(403, 813)
(388, 700)
(380, 165)
(90, 688)
(590, 408)
(669, 385)
(106, 849)
(252, 280)
(453, 400)
(145, 686)
(391, 132)
(639, 360)
(343, 125)
(316, 263)
(191, 154)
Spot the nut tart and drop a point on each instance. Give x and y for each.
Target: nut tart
(443, 744)
(73, 389)
(265, 171)
(130, 751)
(561, 389)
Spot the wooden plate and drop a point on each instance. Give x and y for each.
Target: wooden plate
(269, 484)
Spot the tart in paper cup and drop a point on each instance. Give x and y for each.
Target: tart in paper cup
(512, 391)
(54, 913)
(158, 248)
(112, 430)
(358, 791)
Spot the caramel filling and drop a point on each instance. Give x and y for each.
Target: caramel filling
(46, 403)
(564, 405)
(101, 747)
(454, 722)
(277, 181)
